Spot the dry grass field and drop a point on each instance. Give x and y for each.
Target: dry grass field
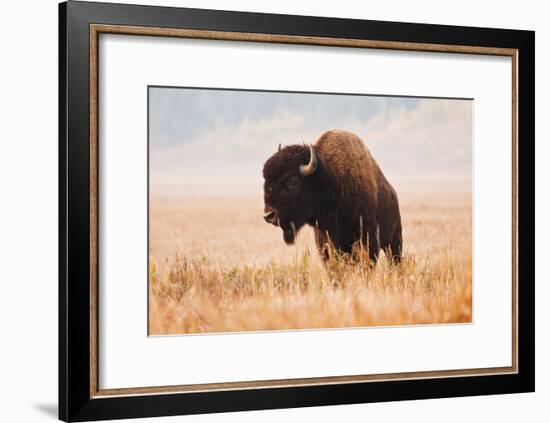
(216, 266)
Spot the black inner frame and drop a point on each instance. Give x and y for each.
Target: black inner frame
(74, 213)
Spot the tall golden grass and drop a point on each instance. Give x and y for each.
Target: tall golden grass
(216, 266)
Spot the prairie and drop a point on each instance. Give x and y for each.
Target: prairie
(216, 266)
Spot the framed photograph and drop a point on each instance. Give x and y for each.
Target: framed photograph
(267, 211)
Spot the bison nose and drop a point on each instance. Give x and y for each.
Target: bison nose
(270, 216)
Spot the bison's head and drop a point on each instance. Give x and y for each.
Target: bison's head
(289, 194)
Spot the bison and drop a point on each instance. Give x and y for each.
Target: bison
(336, 187)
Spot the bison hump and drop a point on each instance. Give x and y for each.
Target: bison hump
(348, 159)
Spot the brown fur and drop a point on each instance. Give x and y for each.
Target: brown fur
(347, 200)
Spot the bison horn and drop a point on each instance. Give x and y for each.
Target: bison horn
(310, 168)
(279, 148)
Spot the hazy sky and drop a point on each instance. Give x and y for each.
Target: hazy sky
(209, 138)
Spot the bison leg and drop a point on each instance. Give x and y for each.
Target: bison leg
(323, 243)
(395, 249)
(373, 245)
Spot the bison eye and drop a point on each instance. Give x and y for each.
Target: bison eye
(293, 183)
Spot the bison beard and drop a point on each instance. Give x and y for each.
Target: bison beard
(289, 234)
(336, 187)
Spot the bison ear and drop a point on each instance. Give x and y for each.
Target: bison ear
(279, 148)
(311, 167)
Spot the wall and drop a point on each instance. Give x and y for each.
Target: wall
(28, 223)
